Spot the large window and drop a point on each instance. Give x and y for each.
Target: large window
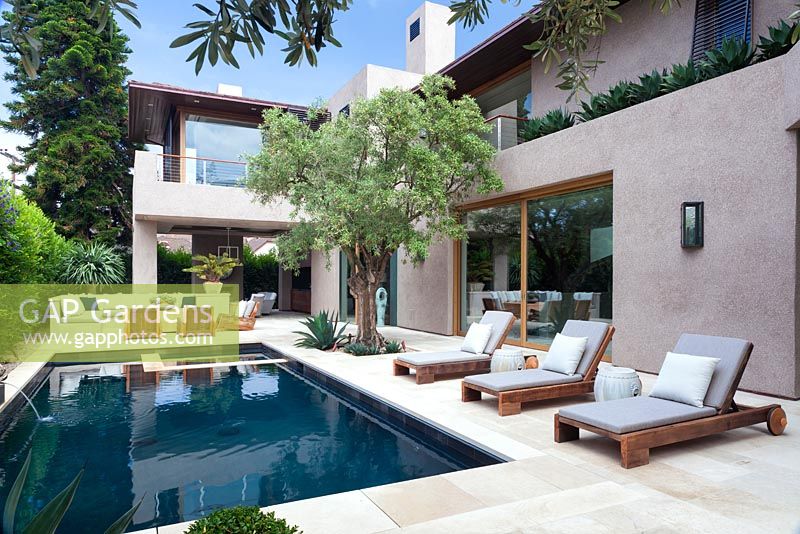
(566, 255)
(491, 264)
(214, 149)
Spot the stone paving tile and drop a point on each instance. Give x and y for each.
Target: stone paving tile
(423, 499)
(499, 484)
(335, 514)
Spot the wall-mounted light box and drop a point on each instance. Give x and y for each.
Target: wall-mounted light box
(692, 224)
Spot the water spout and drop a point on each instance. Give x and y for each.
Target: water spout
(30, 403)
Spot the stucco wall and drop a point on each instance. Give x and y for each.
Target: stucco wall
(324, 282)
(645, 40)
(201, 205)
(435, 46)
(724, 142)
(425, 292)
(368, 82)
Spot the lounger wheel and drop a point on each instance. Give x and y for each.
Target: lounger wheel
(776, 421)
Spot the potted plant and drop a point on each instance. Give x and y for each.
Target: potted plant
(211, 269)
(479, 269)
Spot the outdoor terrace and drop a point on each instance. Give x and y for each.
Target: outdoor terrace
(741, 481)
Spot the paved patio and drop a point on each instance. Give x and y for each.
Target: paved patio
(743, 481)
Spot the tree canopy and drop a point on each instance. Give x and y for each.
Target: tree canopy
(386, 177)
(75, 114)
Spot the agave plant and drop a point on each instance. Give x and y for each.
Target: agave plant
(553, 121)
(615, 99)
(360, 349)
(92, 263)
(732, 55)
(322, 333)
(650, 86)
(48, 519)
(682, 75)
(778, 42)
(393, 347)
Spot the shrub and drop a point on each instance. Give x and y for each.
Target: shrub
(322, 333)
(682, 75)
(553, 121)
(650, 86)
(359, 349)
(241, 520)
(92, 263)
(30, 249)
(732, 55)
(260, 272)
(171, 264)
(777, 43)
(212, 268)
(615, 99)
(393, 347)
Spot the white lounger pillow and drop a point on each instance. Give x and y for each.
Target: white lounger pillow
(565, 354)
(477, 337)
(684, 378)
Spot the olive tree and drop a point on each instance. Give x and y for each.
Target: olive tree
(386, 177)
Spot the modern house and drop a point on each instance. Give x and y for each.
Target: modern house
(590, 222)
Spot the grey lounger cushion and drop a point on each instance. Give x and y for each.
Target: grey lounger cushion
(527, 378)
(638, 413)
(431, 358)
(594, 331)
(733, 354)
(499, 321)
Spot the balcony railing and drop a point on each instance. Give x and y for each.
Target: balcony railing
(506, 131)
(203, 171)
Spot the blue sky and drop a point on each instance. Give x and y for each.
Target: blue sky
(373, 31)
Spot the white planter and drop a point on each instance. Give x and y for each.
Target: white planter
(507, 360)
(475, 286)
(616, 383)
(212, 287)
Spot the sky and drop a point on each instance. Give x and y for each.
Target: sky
(372, 31)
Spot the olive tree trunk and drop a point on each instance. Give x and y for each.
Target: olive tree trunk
(367, 272)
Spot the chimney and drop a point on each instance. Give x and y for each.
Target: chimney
(430, 40)
(230, 90)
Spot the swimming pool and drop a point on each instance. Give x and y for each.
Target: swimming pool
(195, 440)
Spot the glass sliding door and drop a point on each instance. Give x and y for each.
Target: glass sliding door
(490, 265)
(569, 261)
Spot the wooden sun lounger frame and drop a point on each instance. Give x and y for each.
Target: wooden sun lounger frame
(510, 402)
(635, 446)
(426, 374)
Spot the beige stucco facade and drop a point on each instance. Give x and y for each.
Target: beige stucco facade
(726, 142)
(645, 40)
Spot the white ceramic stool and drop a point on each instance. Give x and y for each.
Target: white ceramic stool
(616, 383)
(507, 360)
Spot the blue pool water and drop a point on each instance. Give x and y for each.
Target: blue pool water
(193, 441)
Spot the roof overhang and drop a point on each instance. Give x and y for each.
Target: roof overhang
(151, 104)
(495, 57)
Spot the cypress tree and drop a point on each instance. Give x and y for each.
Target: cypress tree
(75, 113)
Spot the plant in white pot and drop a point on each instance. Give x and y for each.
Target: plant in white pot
(211, 269)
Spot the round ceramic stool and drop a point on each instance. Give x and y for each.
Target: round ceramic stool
(616, 383)
(507, 360)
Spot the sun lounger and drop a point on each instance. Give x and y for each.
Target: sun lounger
(429, 365)
(641, 423)
(512, 388)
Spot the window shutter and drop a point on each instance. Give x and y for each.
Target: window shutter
(716, 20)
(414, 30)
